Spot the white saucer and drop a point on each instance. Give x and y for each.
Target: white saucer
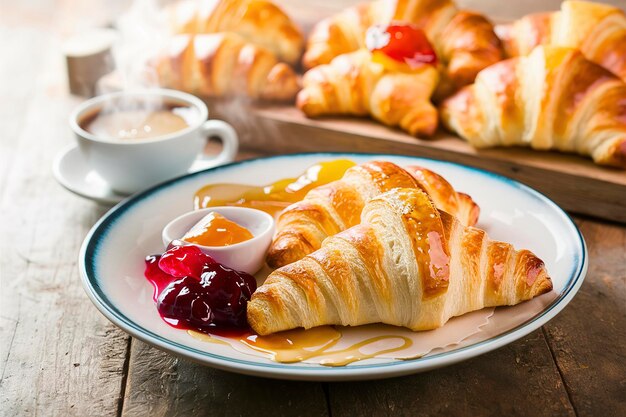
(72, 172)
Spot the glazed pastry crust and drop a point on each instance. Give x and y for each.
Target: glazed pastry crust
(553, 98)
(598, 30)
(257, 21)
(222, 65)
(356, 84)
(337, 206)
(406, 264)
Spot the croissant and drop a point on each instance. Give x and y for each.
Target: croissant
(465, 42)
(356, 84)
(224, 64)
(523, 35)
(598, 30)
(553, 98)
(407, 264)
(331, 208)
(260, 22)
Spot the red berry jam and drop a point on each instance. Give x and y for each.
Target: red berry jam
(194, 292)
(401, 42)
(184, 260)
(156, 276)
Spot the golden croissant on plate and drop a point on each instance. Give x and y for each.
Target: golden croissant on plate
(407, 264)
(464, 41)
(224, 64)
(598, 30)
(336, 206)
(356, 84)
(257, 21)
(553, 98)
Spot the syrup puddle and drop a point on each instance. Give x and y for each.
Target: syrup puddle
(340, 346)
(271, 198)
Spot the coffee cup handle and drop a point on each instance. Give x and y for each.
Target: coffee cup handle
(230, 144)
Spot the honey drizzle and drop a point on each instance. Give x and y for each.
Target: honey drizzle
(353, 353)
(271, 198)
(206, 338)
(292, 346)
(300, 345)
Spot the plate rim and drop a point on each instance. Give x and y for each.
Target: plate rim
(320, 373)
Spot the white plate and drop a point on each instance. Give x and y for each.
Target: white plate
(111, 263)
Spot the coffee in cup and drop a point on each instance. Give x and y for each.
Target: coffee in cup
(139, 120)
(135, 139)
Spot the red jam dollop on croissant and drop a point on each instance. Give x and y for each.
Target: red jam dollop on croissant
(401, 42)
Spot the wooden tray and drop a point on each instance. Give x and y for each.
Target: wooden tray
(573, 182)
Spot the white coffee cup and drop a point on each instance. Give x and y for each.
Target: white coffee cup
(132, 165)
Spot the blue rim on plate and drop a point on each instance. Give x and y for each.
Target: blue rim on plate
(97, 234)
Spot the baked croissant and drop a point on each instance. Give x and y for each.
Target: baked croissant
(331, 208)
(356, 84)
(224, 64)
(464, 41)
(598, 30)
(260, 22)
(553, 98)
(407, 264)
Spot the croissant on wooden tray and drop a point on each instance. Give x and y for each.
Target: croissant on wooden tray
(464, 41)
(224, 64)
(553, 98)
(337, 206)
(598, 30)
(260, 22)
(406, 264)
(356, 84)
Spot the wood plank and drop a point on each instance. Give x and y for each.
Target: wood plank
(10, 126)
(59, 340)
(160, 384)
(59, 356)
(588, 339)
(573, 182)
(518, 379)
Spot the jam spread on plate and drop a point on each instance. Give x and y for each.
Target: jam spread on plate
(194, 292)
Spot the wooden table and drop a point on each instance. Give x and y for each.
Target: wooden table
(59, 356)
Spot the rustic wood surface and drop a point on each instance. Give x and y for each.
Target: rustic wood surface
(60, 357)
